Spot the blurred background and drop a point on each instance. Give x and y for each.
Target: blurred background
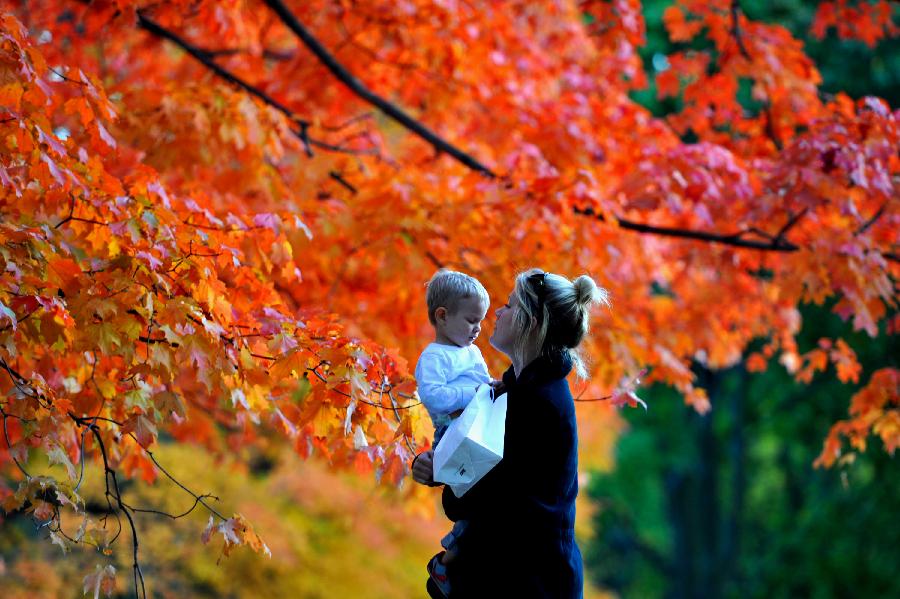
(729, 504)
(680, 505)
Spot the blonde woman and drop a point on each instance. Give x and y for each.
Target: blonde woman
(520, 540)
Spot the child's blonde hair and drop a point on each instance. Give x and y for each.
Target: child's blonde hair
(448, 287)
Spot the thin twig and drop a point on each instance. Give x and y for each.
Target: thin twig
(384, 389)
(63, 77)
(9, 445)
(793, 220)
(197, 501)
(344, 183)
(71, 213)
(198, 498)
(736, 28)
(865, 226)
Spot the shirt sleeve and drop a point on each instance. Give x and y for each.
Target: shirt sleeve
(435, 393)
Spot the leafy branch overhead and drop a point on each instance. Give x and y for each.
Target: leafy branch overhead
(216, 223)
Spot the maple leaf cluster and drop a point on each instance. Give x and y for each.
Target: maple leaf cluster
(218, 218)
(131, 307)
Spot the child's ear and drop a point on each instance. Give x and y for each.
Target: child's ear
(440, 314)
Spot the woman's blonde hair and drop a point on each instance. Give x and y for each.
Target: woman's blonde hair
(553, 315)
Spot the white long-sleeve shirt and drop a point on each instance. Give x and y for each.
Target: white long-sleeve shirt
(448, 376)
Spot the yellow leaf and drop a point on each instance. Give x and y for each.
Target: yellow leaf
(58, 455)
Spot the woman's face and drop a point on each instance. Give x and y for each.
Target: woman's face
(503, 339)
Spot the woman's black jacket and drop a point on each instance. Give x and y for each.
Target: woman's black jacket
(519, 541)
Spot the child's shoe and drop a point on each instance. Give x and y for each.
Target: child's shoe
(438, 584)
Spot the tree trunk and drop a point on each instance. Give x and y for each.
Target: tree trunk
(732, 534)
(678, 506)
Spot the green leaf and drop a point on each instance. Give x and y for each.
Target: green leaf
(137, 398)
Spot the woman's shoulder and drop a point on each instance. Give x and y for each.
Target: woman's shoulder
(545, 402)
(551, 403)
(557, 394)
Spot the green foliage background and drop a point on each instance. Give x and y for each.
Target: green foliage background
(729, 504)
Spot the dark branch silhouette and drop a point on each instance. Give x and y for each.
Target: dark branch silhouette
(736, 28)
(734, 239)
(205, 57)
(775, 243)
(115, 502)
(865, 226)
(358, 88)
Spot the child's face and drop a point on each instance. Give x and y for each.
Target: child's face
(462, 326)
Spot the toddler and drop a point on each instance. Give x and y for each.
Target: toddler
(450, 370)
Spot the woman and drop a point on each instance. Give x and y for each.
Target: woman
(520, 541)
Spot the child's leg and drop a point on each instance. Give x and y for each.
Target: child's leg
(449, 555)
(449, 542)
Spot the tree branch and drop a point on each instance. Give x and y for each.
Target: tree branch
(736, 28)
(777, 244)
(734, 239)
(9, 444)
(385, 389)
(206, 58)
(116, 493)
(865, 226)
(344, 183)
(358, 88)
(793, 220)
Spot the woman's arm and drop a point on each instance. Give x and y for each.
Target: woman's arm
(485, 495)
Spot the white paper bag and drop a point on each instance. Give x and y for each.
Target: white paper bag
(473, 443)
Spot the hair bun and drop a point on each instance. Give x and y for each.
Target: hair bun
(587, 292)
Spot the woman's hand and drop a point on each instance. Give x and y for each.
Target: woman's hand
(423, 468)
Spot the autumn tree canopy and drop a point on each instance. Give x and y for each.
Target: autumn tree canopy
(217, 218)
